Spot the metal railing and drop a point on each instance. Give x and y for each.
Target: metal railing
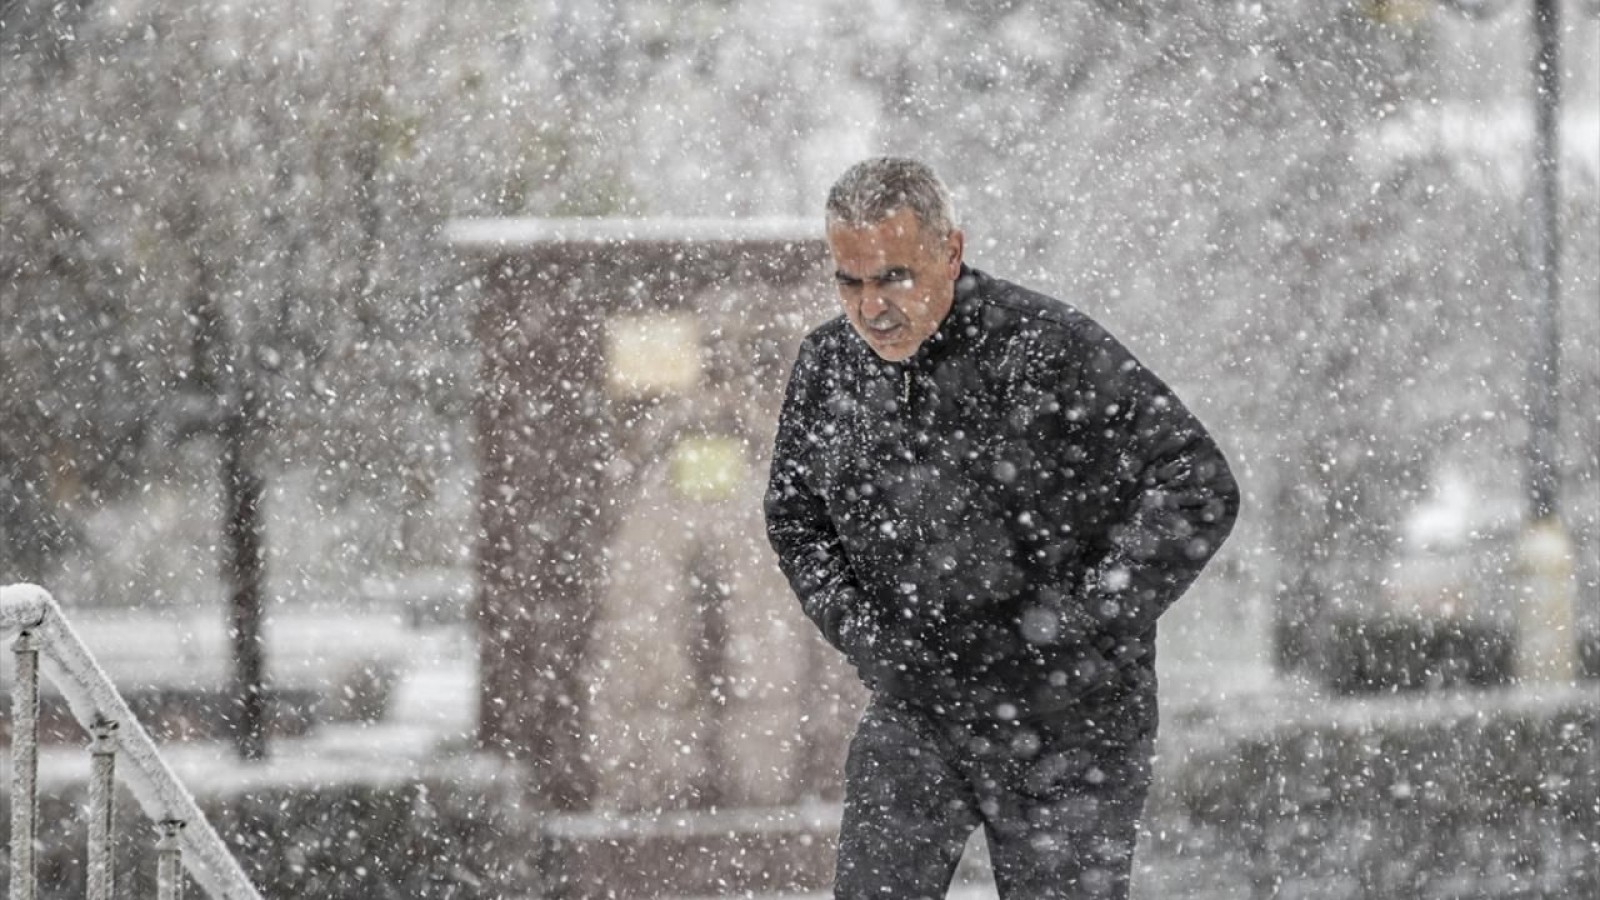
(186, 842)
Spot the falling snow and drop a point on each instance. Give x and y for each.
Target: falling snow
(387, 393)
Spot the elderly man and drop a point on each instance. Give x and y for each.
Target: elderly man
(984, 502)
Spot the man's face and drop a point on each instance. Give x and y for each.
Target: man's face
(896, 281)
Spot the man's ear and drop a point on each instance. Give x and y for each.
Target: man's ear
(956, 243)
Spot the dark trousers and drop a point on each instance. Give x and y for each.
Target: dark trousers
(1059, 801)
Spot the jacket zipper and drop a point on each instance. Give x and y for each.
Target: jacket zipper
(908, 416)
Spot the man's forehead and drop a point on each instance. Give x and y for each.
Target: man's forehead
(870, 264)
(899, 224)
(874, 248)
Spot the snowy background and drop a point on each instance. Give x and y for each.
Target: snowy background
(1309, 217)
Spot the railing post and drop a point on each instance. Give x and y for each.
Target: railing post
(24, 767)
(169, 861)
(102, 808)
(204, 858)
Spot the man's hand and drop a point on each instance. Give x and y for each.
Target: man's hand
(849, 627)
(853, 629)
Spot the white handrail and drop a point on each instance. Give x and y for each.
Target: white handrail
(94, 700)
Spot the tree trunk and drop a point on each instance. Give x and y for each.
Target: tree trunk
(222, 377)
(245, 574)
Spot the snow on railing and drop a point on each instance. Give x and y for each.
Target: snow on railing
(187, 840)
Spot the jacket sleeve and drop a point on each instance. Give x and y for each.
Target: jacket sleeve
(798, 526)
(1170, 497)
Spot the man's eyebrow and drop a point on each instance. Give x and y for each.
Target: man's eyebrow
(888, 273)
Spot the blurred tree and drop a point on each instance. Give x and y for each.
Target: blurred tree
(282, 174)
(222, 222)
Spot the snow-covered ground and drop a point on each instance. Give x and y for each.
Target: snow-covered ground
(431, 707)
(1218, 687)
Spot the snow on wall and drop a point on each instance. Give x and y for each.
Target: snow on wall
(496, 233)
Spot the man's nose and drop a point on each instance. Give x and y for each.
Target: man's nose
(872, 304)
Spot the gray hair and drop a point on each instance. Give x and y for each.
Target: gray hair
(875, 189)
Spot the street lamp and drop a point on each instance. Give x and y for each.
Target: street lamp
(1547, 639)
(1547, 648)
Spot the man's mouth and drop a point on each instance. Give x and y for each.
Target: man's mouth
(883, 329)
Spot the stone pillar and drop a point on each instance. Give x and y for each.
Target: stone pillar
(542, 438)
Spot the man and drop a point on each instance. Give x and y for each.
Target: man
(985, 502)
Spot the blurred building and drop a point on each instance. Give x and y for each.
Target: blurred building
(640, 649)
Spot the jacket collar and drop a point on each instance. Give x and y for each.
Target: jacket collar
(955, 330)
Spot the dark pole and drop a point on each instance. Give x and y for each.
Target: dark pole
(1544, 482)
(1546, 641)
(708, 594)
(242, 491)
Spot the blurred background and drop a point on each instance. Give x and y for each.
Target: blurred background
(469, 322)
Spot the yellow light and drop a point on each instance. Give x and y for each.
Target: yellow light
(1397, 12)
(711, 467)
(652, 355)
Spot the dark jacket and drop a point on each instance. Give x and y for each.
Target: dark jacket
(994, 526)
